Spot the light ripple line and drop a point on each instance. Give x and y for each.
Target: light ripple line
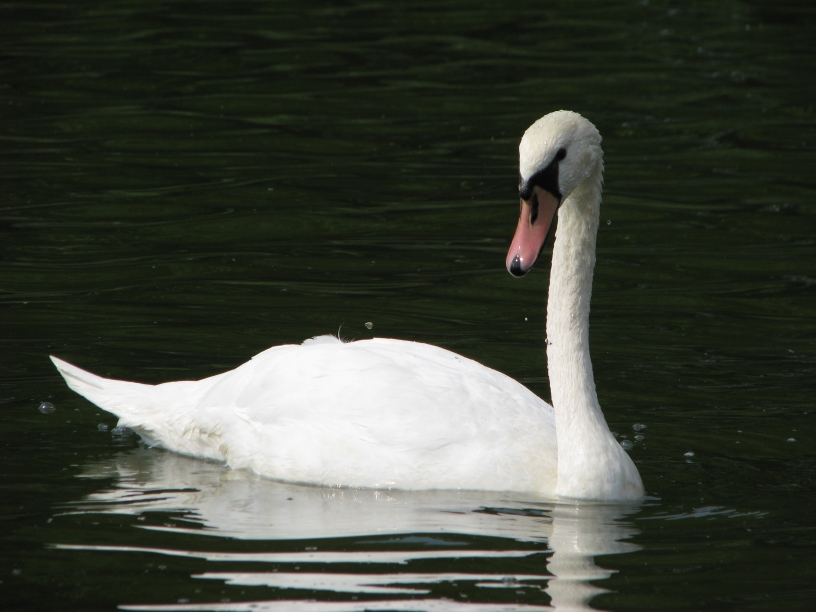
(396, 556)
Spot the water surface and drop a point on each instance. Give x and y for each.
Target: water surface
(186, 184)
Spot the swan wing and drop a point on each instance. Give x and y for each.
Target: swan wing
(382, 413)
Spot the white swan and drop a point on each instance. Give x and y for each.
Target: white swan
(397, 414)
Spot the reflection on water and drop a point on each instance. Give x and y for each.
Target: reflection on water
(205, 499)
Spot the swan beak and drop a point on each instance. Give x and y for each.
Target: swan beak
(534, 225)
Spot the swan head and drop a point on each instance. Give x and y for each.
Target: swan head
(557, 153)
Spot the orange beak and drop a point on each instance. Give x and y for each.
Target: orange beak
(534, 224)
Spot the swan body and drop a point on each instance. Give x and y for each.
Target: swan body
(371, 413)
(397, 414)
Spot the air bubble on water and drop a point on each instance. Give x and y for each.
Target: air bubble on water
(689, 454)
(47, 408)
(638, 427)
(640, 437)
(791, 439)
(122, 431)
(608, 222)
(102, 427)
(510, 581)
(183, 600)
(369, 325)
(627, 445)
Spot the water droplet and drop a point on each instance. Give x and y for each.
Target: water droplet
(122, 431)
(627, 445)
(102, 427)
(369, 325)
(689, 454)
(640, 437)
(608, 222)
(47, 408)
(638, 427)
(791, 439)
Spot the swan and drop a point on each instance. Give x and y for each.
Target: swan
(385, 413)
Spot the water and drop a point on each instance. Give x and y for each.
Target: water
(187, 184)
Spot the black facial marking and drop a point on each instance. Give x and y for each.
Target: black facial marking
(534, 213)
(547, 179)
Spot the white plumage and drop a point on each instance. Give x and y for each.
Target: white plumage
(374, 413)
(398, 414)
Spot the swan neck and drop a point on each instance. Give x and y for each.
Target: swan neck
(591, 464)
(570, 367)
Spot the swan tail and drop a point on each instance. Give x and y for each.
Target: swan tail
(132, 402)
(163, 415)
(119, 397)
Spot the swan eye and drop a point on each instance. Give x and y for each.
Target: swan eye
(562, 153)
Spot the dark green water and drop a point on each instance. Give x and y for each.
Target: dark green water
(187, 183)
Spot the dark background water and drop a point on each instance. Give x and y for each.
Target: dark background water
(187, 183)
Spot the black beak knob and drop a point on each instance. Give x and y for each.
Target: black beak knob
(515, 267)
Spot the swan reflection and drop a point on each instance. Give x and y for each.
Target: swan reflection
(209, 500)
